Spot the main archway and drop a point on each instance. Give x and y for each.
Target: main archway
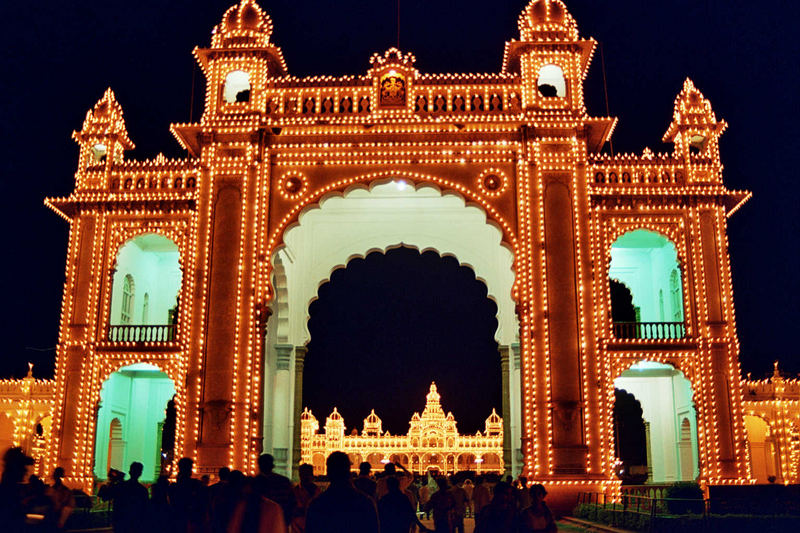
(386, 215)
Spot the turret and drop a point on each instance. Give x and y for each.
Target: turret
(240, 60)
(102, 140)
(695, 132)
(550, 57)
(372, 425)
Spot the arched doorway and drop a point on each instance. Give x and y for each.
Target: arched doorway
(133, 404)
(385, 216)
(763, 452)
(668, 411)
(630, 439)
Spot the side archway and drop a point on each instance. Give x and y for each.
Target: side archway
(133, 405)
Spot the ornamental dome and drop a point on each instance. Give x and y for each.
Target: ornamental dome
(547, 20)
(244, 24)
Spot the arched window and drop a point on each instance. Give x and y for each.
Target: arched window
(551, 82)
(126, 311)
(237, 87)
(152, 262)
(646, 263)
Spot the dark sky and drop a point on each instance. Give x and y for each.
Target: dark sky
(58, 57)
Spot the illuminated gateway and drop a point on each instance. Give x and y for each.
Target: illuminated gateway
(188, 280)
(432, 442)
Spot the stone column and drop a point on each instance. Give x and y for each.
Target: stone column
(505, 357)
(299, 362)
(282, 410)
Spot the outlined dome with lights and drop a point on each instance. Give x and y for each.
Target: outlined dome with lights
(105, 120)
(547, 20)
(244, 24)
(692, 110)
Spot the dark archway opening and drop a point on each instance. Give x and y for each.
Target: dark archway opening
(630, 440)
(622, 308)
(386, 326)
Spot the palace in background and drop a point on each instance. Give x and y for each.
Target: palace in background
(432, 442)
(188, 280)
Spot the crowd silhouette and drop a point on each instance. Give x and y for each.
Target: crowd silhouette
(391, 502)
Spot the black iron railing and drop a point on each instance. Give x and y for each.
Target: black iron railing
(128, 333)
(649, 330)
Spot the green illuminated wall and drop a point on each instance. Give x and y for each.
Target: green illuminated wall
(137, 396)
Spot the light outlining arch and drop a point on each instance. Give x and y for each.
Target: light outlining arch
(367, 181)
(690, 369)
(674, 235)
(172, 368)
(121, 235)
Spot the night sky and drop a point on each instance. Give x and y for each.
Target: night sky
(58, 58)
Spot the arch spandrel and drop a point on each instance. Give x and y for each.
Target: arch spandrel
(342, 227)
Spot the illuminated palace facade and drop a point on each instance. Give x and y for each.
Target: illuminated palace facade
(188, 280)
(432, 443)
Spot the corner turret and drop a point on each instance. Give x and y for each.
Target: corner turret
(103, 139)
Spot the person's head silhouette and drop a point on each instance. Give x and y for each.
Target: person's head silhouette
(136, 470)
(266, 463)
(58, 475)
(185, 467)
(224, 473)
(306, 473)
(364, 468)
(389, 469)
(338, 467)
(392, 484)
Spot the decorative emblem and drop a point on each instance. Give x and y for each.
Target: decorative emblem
(492, 182)
(292, 185)
(393, 89)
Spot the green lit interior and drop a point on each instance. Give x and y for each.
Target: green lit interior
(146, 282)
(133, 404)
(646, 262)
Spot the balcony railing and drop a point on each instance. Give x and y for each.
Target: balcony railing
(128, 333)
(649, 330)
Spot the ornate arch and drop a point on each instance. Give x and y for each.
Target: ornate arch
(313, 199)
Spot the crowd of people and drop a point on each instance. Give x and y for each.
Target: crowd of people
(395, 501)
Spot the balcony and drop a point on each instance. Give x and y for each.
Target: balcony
(649, 330)
(129, 333)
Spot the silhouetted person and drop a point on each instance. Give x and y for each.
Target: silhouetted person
(459, 505)
(500, 516)
(304, 493)
(442, 505)
(130, 503)
(159, 505)
(468, 487)
(395, 511)
(274, 486)
(187, 500)
(522, 494)
(254, 513)
(364, 482)
(12, 511)
(39, 514)
(341, 508)
(62, 498)
(220, 501)
(537, 518)
(481, 496)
